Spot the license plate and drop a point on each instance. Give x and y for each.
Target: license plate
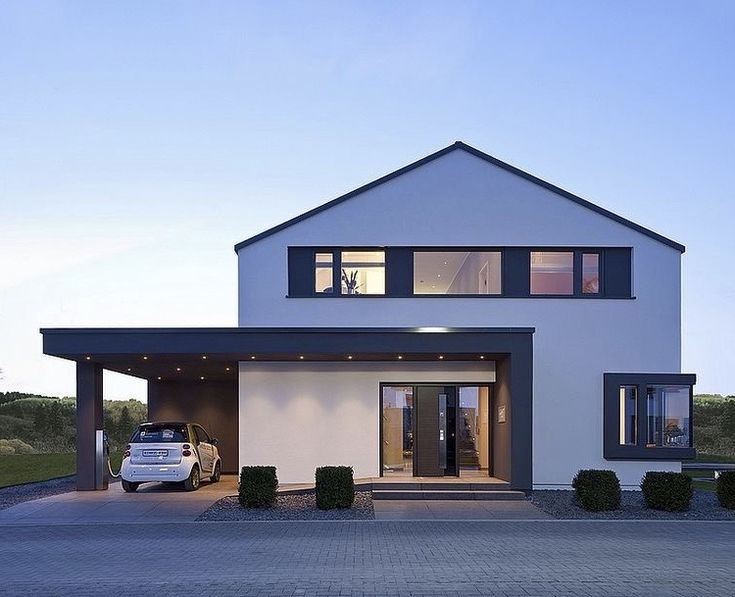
(155, 453)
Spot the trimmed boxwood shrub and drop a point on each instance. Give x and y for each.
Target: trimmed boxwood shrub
(258, 486)
(597, 490)
(726, 489)
(335, 487)
(671, 492)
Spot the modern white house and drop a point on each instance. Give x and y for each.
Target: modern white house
(457, 317)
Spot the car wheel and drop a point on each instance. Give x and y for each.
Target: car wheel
(129, 486)
(192, 483)
(216, 474)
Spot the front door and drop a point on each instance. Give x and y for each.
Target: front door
(435, 428)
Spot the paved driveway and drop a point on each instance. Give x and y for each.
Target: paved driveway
(152, 502)
(371, 558)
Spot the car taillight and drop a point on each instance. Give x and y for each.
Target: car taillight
(186, 453)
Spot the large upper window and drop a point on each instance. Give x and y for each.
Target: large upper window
(363, 272)
(552, 272)
(648, 416)
(457, 272)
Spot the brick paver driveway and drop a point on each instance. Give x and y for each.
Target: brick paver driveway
(371, 558)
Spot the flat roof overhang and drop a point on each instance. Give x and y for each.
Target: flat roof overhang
(213, 353)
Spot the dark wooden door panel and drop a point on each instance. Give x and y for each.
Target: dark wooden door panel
(426, 427)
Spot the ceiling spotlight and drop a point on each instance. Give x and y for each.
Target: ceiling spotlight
(252, 357)
(349, 356)
(227, 368)
(482, 356)
(178, 368)
(441, 356)
(445, 263)
(89, 358)
(204, 356)
(202, 378)
(301, 357)
(145, 358)
(400, 356)
(129, 369)
(159, 378)
(438, 275)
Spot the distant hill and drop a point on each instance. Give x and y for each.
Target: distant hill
(48, 424)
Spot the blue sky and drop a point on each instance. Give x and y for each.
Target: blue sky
(139, 141)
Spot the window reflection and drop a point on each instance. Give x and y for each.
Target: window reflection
(668, 416)
(552, 272)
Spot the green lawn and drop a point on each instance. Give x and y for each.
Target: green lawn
(25, 468)
(713, 458)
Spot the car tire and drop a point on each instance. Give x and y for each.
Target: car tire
(129, 486)
(216, 474)
(192, 483)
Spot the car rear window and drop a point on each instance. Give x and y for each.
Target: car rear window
(160, 434)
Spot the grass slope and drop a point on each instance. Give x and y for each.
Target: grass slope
(26, 468)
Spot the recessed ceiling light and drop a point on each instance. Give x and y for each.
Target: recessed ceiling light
(400, 356)
(129, 369)
(89, 358)
(204, 356)
(438, 275)
(178, 368)
(445, 263)
(227, 368)
(252, 357)
(482, 356)
(145, 358)
(301, 357)
(349, 356)
(201, 378)
(159, 378)
(441, 356)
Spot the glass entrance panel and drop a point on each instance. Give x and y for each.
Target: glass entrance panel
(473, 428)
(397, 416)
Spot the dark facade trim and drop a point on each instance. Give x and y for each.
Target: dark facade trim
(483, 156)
(615, 271)
(612, 450)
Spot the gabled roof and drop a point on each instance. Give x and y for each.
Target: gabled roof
(488, 158)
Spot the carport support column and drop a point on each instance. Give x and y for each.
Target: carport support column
(89, 419)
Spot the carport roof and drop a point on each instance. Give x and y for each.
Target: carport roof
(213, 353)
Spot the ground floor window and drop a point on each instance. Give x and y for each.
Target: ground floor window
(658, 427)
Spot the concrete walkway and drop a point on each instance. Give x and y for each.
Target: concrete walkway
(153, 502)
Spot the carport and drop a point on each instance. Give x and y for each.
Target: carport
(192, 374)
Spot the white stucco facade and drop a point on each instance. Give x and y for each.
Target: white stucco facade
(456, 200)
(301, 416)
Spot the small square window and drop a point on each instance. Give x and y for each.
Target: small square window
(552, 272)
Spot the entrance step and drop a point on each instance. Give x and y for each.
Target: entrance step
(444, 494)
(439, 486)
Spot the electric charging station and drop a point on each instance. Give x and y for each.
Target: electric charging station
(101, 461)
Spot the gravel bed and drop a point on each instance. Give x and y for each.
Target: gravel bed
(300, 506)
(563, 505)
(16, 494)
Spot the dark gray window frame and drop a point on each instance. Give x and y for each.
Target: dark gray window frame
(515, 267)
(612, 450)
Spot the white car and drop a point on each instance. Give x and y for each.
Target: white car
(170, 452)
